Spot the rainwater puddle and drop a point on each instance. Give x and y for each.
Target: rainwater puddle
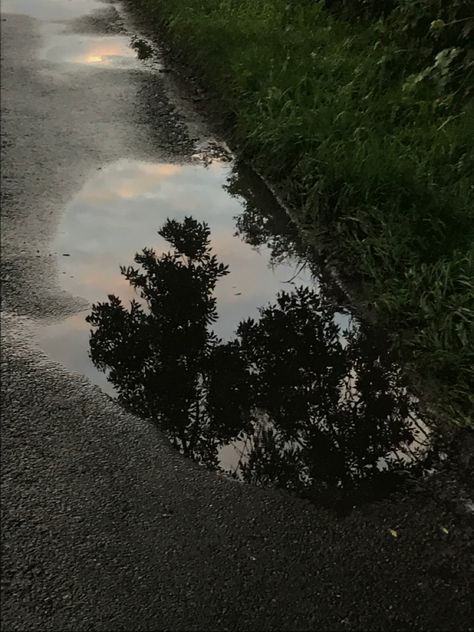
(67, 40)
(119, 212)
(111, 51)
(222, 335)
(273, 383)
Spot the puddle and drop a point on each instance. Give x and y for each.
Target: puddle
(301, 396)
(119, 212)
(81, 32)
(223, 336)
(102, 50)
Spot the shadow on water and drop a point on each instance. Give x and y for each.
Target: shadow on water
(301, 397)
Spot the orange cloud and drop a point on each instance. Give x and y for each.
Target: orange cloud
(128, 182)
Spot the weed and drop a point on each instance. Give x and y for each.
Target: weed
(362, 119)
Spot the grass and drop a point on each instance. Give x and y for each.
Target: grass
(371, 151)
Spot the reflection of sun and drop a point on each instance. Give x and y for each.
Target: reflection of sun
(100, 52)
(94, 59)
(161, 170)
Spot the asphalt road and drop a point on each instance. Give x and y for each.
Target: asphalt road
(104, 526)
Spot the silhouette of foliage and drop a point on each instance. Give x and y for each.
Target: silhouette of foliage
(142, 48)
(158, 353)
(318, 409)
(263, 222)
(334, 405)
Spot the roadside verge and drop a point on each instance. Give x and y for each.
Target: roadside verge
(362, 128)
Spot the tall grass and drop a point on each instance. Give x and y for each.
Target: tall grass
(372, 152)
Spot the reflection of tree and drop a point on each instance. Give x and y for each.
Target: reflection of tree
(161, 359)
(142, 48)
(334, 407)
(317, 410)
(262, 221)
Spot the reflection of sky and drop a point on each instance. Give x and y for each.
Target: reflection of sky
(50, 9)
(68, 342)
(108, 51)
(120, 211)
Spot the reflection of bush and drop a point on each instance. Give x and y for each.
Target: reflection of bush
(158, 358)
(334, 409)
(318, 410)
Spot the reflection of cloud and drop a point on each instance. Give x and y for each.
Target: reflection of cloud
(98, 51)
(161, 170)
(129, 182)
(92, 59)
(119, 212)
(89, 50)
(68, 342)
(77, 323)
(107, 280)
(101, 52)
(250, 276)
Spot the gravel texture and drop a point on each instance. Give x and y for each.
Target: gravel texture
(105, 527)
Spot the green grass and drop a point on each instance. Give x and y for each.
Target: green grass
(373, 155)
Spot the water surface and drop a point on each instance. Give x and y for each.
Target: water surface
(251, 363)
(282, 386)
(119, 212)
(90, 50)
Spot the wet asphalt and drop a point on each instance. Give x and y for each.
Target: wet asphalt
(104, 526)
